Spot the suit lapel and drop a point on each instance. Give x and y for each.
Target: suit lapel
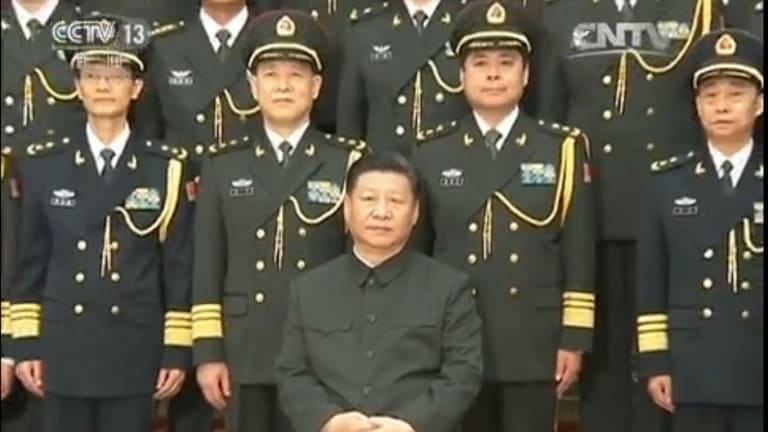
(200, 55)
(88, 184)
(264, 165)
(14, 43)
(126, 177)
(304, 162)
(512, 154)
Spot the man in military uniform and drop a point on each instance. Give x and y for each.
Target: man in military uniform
(155, 12)
(509, 201)
(104, 274)
(613, 70)
(38, 93)
(382, 338)
(700, 252)
(268, 210)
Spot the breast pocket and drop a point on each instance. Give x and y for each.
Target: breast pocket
(415, 337)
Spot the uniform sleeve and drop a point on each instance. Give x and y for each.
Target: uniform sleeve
(578, 249)
(301, 395)
(29, 281)
(652, 319)
(422, 237)
(147, 114)
(177, 283)
(9, 207)
(453, 391)
(209, 266)
(352, 107)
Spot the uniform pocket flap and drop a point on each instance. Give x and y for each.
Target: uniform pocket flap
(329, 325)
(235, 305)
(412, 321)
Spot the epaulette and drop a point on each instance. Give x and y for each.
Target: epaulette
(223, 147)
(166, 28)
(559, 129)
(49, 147)
(357, 15)
(438, 131)
(346, 143)
(672, 162)
(164, 150)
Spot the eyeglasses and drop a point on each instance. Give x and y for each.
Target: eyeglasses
(110, 78)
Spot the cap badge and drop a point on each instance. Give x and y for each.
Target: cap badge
(725, 45)
(496, 14)
(285, 27)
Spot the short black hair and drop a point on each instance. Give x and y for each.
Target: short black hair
(388, 162)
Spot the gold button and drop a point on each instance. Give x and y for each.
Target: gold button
(260, 233)
(607, 148)
(79, 277)
(439, 97)
(402, 99)
(302, 232)
(259, 265)
(301, 264)
(200, 118)
(9, 130)
(607, 79)
(745, 285)
(706, 313)
(474, 292)
(114, 245)
(650, 111)
(513, 226)
(472, 258)
(259, 298)
(400, 130)
(81, 245)
(78, 309)
(114, 310)
(513, 291)
(709, 254)
(707, 283)
(8, 100)
(607, 114)
(199, 149)
(745, 314)
(650, 146)
(514, 258)
(50, 101)
(649, 77)
(747, 255)
(315, 13)
(115, 276)
(473, 227)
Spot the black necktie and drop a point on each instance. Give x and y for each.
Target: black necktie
(626, 11)
(34, 26)
(419, 20)
(223, 36)
(285, 150)
(491, 138)
(725, 179)
(108, 172)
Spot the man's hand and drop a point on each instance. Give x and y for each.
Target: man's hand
(353, 421)
(389, 424)
(567, 370)
(214, 381)
(169, 382)
(660, 389)
(6, 380)
(30, 373)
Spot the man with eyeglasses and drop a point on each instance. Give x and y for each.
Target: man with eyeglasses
(100, 308)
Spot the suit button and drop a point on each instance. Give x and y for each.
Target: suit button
(707, 283)
(9, 130)
(402, 99)
(709, 254)
(259, 297)
(302, 232)
(367, 390)
(513, 226)
(472, 258)
(371, 318)
(81, 245)
(745, 286)
(114, 245)
(607, 114)
(369, 354)
(115, 276)
(50, 101)
(747, 255)
(400, 130)
(607, 79)
(439, 97)
(8, 100)
(514, 258)
(706, 313)
(315, 13)
(650, 146)
(301, 264)
(474, 292)
(200, 118)
(473, 227)
(607, 148)
(649, 77)
(78, 309)
(650, 111)
(199, 149)
(260, 233)
(79, 277)
(259, 265)
(513, 291)
(745, 314)
(114, 310)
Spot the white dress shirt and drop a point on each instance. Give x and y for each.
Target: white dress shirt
(504, 128)
(738, 160)
(117, 146)
(24, 16)
(234, 26)
(428, 9)
(275, 139)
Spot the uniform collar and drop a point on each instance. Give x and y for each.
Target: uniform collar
(234, 26)
(24, 16)
(96, 145)
(504, 128)
(384, 273)
(738, 159)
(275, 140)
(428, 8)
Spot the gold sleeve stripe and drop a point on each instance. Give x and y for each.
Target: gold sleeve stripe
(202, 316)
(580, 318)
(207, 329)
(652, 318)
(5, 319)
(177, 336)
(645, 328)
(178, 323)
(575, 295)
(25, 328)
(178, 315)
(206, 307)
(652, 341)
(22, 307)
(579, 304)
